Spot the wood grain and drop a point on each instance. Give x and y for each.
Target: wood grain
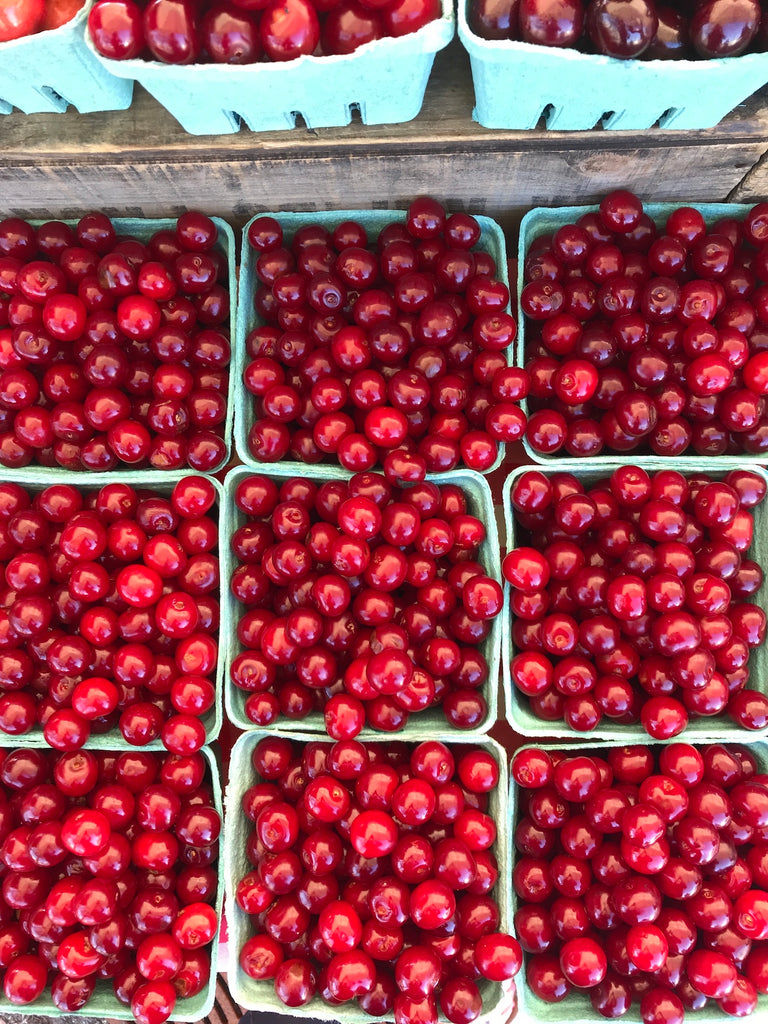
(502, 185)
(140, 161)
(753, 187)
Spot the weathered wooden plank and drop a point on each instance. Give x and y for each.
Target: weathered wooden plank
(753, 187)
(502, 185)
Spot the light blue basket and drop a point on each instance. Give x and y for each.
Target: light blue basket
(103, 1004)
(384, 80)
(516, 83)
(260, 995)
(577, 1007)
(421, 725)
(545, 221)
(374, 221)
(714, 729)
(161, 483)
(143, 229)
(46, 72)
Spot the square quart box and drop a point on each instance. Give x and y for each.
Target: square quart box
(516, 83)
(491, 242)
(712, 729)
(545, 221)
(384, 80)
(421, 725)
(260, 995)
(156, 483)
(143, 229)
(577, 1007)
(104, 1004)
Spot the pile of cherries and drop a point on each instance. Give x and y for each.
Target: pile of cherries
(373, 878)
(360, 600)
(643, 339)
(632, 598)
(109, 613)
(113, 351)
(109, 875)
(642, 876)
(627, 28)
(382, 353)
(247, 31)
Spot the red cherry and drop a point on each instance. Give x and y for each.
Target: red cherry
(25, 979)
(498, 956)
(340, 926)
(295, 982)
(289, 31)
(583, 962)
(153, 1002)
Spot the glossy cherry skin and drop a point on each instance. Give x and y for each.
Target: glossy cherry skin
(349, 26)
(295, 982)
(583, 962)
(171, 32)
(621, 30)
(230, 36)
(724, 29)
(498, 957)
(492, 19)
(289, 30)
(406, 16)
(116, 29)
(153, 1002)
(548, 24)
(25, 979)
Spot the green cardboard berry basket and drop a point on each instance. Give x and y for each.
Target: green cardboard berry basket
(384, 81)
(47, 71)
(143, 229)
(157, 483)
(544, 221)
(260, 995)
(577, 1007)
(517, 83)
(103, 1004)
(374, 221)
(422, 725)
(718, 728)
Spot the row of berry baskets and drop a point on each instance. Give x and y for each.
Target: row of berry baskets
(384, 79)
(356, 874)
(367, 929)
(565, 634)
(344, 605)
(385, 339)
